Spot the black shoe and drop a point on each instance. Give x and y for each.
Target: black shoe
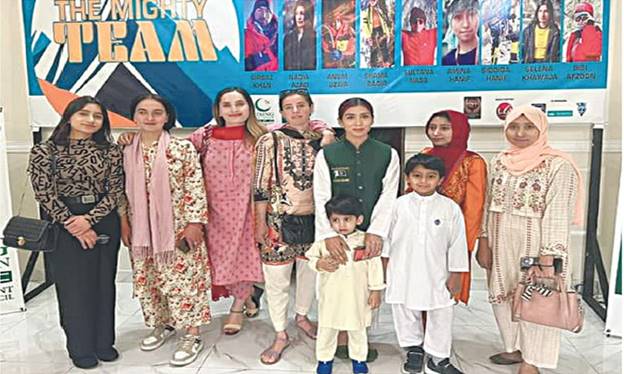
(414, 360)
(107, 355)
(86, 362)
(257, 295)
(443, 367)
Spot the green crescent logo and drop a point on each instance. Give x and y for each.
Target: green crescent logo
(262, 109)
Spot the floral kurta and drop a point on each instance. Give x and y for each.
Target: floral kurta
(176, 294)
(527, 215)
(228, 175)
(467, 187)
(295, 164)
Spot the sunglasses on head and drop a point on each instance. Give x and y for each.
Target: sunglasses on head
(296, 91)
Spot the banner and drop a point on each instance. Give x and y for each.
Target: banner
(479, 56)
(613, 325)
(11, 298)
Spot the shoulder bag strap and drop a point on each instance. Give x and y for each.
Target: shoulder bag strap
(276, 171)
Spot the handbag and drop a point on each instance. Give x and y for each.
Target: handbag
(543, 306)
(295, 229)
(29, 233)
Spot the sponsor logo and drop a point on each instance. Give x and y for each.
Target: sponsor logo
(541, 106)
(262, 105)
(560, 113)
(472, 107)
(581, 108)
(502, 110)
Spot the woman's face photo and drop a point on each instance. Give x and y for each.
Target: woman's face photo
(465, 25)
(233, 108)
(521, 132)
(300, 16)
(262, 15)
(543, 17)
(86, 122)
(440, 131)
(357, 121)
(296, 110)
(150, 115)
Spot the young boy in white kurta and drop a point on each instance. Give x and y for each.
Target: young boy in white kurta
(425, 255)
(346, 293)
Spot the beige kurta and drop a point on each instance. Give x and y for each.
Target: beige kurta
(527, 215)
(343, 294)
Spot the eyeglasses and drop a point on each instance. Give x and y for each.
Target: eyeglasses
(581, 18)
(420, 21)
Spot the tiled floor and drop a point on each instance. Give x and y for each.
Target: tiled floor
(32, 342)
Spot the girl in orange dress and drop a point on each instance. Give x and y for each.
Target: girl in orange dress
(466, 175)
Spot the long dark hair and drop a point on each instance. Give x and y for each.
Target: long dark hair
(102, 137)
(169, 108)
(549, 7)
(353, 102)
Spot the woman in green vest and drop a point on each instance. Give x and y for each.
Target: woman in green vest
(360, 166)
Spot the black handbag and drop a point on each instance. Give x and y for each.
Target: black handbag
(294, 229)
(30, 233)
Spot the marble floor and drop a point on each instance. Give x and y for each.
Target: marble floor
(32, 342)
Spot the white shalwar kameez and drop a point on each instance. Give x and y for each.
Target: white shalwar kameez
(343, 298)
(427, 241)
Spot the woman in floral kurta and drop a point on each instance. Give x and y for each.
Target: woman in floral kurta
(466, 175)
(530, 205)
(170, 280)
(227, 158)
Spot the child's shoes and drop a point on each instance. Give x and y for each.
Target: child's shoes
(324, 367)
(443, 367)
(414, 361)
(359, 367)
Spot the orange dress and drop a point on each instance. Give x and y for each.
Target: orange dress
(467, 186)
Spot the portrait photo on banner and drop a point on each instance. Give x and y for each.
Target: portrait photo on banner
(338, 34)
(299, 35)
(582, 30)
(460, 43)
(377, 33)
(419, 32)
(500, 32)
(541, 35)
(261, 33)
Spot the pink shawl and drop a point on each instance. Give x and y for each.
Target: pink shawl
(151, 221)
(521, 160)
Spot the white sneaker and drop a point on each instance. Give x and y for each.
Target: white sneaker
(157, 338)
(187, 350)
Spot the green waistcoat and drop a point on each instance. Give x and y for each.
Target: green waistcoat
(358, 172)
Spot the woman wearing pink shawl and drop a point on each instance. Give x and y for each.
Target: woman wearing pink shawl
(533, 198)
(162, 226)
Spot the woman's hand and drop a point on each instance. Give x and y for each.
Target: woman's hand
(374, 299)
(194, 234)
(327, 264)
(88, 239)
(328, 137)
(337, 249)
(374, 244)
(484, 254)
(77, 225)
(126, 232)
(261, 233)
(126, 138)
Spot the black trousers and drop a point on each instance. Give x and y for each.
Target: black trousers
(85, 287)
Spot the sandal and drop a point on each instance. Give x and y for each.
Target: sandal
(233, 328)
(309, 330)
(274, 355)
(255, 298)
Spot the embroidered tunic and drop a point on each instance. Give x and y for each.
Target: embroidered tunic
(228, 173)
(176, 294)
(527, 215)
(343, 294)
(82, 168)
(427, 241)
(295, 166)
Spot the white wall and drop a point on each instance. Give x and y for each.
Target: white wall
(488, 141)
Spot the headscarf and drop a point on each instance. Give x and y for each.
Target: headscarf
(521, 160)
(453, 154)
